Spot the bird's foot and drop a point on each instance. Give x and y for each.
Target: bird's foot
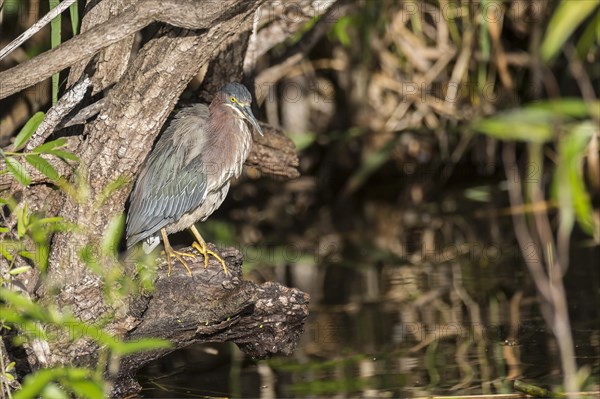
(203, 249)
(171, 253)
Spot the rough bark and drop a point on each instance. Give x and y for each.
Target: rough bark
(262, 320)
(186, 14)
(113, 60)
(219, 307)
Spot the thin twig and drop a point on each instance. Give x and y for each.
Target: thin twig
(522, 232)
(53, 117)
(85, 114)
(251, 53)
(181, 13)
(550, 286)
(298, 52)
(461, 65)
(35, 28)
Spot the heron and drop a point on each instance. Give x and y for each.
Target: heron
(187, 175)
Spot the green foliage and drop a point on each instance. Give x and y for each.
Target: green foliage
(47, 322)
(43, 166)
(18, 171)
(50, 146)
(340, 30)
(60, 383)
(570, 108)
(567, 17)
(110, 189)
(589, 37)
(536, 123)
(55, 39)
(27, 131)
(38, 228)
(74, 14)
(571, 123)
(302, 140)
(21, 311)
(574, 202)
(30, 240)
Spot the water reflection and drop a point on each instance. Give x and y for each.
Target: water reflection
(399, 330)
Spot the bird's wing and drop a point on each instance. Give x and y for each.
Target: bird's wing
(172, 182)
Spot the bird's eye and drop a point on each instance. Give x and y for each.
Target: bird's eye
(232, 99)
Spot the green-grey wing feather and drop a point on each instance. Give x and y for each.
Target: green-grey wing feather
(168, 187)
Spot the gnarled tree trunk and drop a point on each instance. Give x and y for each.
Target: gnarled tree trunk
(141, 88)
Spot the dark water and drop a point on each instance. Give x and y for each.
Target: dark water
(459, 321)
(409, 297)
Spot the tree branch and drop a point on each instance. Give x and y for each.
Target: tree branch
(261, 319)
(188, 14)
(35, 28)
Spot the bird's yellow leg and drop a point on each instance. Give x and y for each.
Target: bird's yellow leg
(201, 246)
(171, 253)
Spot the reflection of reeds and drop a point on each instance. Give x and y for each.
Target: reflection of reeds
(409, 77)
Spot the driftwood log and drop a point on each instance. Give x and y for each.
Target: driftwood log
(140, 81)
(209, 306)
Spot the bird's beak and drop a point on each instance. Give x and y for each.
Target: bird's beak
(250, 117)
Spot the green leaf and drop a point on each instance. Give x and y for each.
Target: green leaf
(22, 221)
(478, 193)
(10, 367)
(11, 203)
(340, 30)
(54, 391)
(28, 130)
(524, 124)
(34, 384)
(42, 148)
(140, 345)
(569, 107)
(28, 255)
(41, 232)
(44, 383)
(112, 234)
(589, 37)
(18, 301)
(7, 247)
(18, 171)
(110, 189)
(55, 39)
(74, 14)
(18, 270)
(43, 166)
(567, 17)
(569, 189)
(86, 388)
(65, 155)
(302, 140)
(53, 219)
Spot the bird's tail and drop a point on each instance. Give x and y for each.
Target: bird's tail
(150, 243)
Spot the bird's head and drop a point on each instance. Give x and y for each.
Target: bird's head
(237, 97)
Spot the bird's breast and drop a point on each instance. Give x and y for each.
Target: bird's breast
(228, 156)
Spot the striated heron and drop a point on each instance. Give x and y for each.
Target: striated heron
(186, 176)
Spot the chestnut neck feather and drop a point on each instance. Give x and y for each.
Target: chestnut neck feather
(228, 142)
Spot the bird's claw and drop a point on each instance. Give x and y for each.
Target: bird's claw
(204, 251)
(179, 256)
